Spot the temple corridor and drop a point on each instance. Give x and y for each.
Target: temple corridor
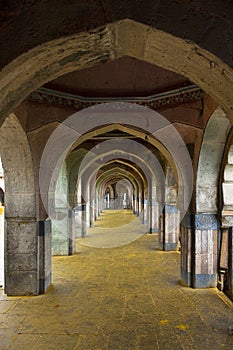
(128, 297)
(116, 175)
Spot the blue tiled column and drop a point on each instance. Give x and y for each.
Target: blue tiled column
(169, 228)
(199, 235)
(206, 236)
(185, 250)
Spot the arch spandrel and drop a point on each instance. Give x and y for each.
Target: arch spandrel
(123, 38)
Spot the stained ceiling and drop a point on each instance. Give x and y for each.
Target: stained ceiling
(125, 77)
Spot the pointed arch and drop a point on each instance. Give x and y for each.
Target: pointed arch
(122, 38)
(209, 163)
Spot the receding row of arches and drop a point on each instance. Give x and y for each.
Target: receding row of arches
(124, 160)
(79, 161)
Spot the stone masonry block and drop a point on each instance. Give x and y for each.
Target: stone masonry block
(125, 33)
(20, 204)
(22, 283)
(227, 193)
(21, 237)
(203, 205)
(21, 262)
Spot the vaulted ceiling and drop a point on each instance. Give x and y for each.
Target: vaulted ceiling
(124, 77)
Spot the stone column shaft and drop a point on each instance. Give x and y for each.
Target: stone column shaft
(199, 258)
(45, 261)
(21, 256)
(169, 228)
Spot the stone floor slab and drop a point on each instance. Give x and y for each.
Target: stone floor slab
(127, 297)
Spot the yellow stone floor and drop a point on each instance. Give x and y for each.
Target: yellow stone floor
(126, 297)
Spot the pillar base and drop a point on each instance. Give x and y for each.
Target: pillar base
(21, 257)
(45, 283)
(170, 246)
(205, 281)
(185, 277)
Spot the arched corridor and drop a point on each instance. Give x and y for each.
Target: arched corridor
(60, 145)
(121, 115)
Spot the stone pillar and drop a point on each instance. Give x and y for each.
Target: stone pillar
(64, 231)
(60, 232)
(161, 230)
(45, 262)
(21, 256)
(140, 204)
(135, 205)
(199, 236)
(230, 265)
(78, 220)
(206, 238)
(88, 213)
(101, 203)
(142, 214)
(84, 220)
(145, 211)
(150, 208)
(226, 260)
(87, 198)
(155, 216)
(71, 231)
(154, 209)
(92, 212)
(186, 254)
(64, 227)
(97, 208)
(170, 230)
(226, 253)
(59, 214)
(84, 206)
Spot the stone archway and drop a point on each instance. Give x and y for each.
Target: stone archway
(123, 38)
(209, 163)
